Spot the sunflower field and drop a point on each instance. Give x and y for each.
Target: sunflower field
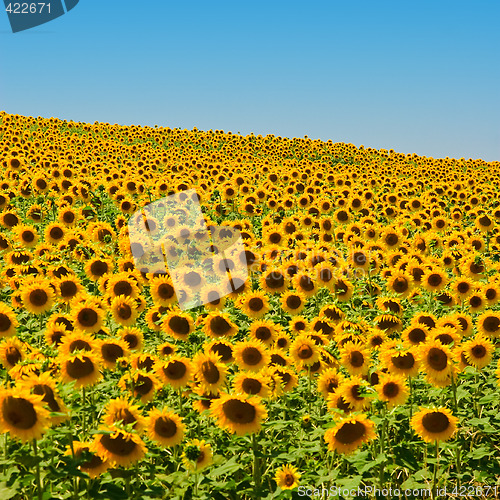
(360, 354)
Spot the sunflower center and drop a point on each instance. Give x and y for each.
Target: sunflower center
(124, 415)
(223, 350)
(165, 291)
(192, 279)
(293, 302)
(437, 358)
(491, 324)
(391, 390)
(403, 362)
(56, 233)
(219, 325)
(251, 386)
(210, 372)
(463, 287)
(263, 333)
(124, 311)
(78, 368)
(13, 355)
(143, 385)
(132, 340)
(356, 359)
(417, 335)
(175, 370)
(305, 352)
(79, 345)
(275, 280)
(255, 304)
(179, 325)
(19, 412)
(87, 317)
(478, 351)
(434, 279)
(391, 239)
(444, 338)
(118, 445)
(98, 268)
(350, 432)
(122, 287)
(400, 285)
(38, 297)
(68, 289)
(332, 385)
(306, 283)
(111, 352)
(165, 427)
(435, 422)
(289, 479)
(251, 356)
(28, 236)
(240, 412)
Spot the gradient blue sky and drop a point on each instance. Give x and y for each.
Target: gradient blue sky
(419, 77)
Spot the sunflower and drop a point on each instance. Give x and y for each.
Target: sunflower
(478, 351)
(176, 371)
(77, 341)
(26, 235)
(68, 287)
(12, 352)
(400, 283)
(416, 333)
(282, 379)
(388, 323)
(274, 281)
(239, 414)
(22, 414)
(164, 427)
(87, 314)
(265, 331)
(434, 425)
(402, 361)
(143, 385)
(37, 296)
(287, 477)
(355, 358)
(133, 337)
(349, 433)
(434, 280)
(111, 350)
(178, 324)
(447, 335)
(197, 455)
(94, 465)
(251, 355)
(392, 389)
(97, 267)
(162, 291)
(44, 385)
(354, 392)
(209, 371)
(329, 381)
(343, 289)
(436, 359)
(491, 292)
(254, 384)
(293, 302)
(253, 304)
(122, 284)
(120, 412)
(222, 348)
(304, 350)
(488, 324)
(124, 310)
(484, 223)
(119, 447)
(218, 324)
(81, 368)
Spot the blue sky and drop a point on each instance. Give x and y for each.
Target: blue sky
(419, 77)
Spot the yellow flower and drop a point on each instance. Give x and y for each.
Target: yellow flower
(239, 414)
(165, 427)
(349, 433)
(287, 477)
(434, 424)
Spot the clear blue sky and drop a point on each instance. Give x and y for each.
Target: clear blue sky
(419, 77)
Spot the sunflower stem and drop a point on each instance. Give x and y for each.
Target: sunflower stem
(83, 410)
(256, 464)
(410, 382)
(382, 444)
(38, 478)
(436, 464)
(179, 393)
